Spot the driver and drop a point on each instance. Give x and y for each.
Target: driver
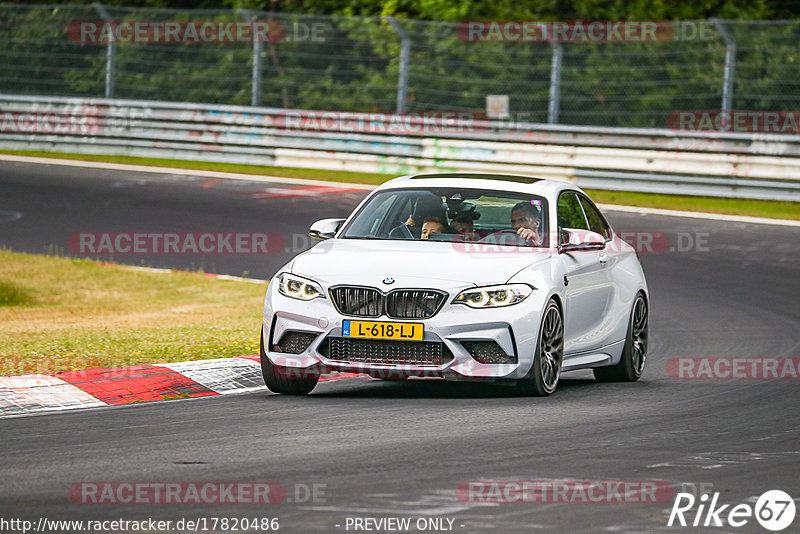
(525, 221)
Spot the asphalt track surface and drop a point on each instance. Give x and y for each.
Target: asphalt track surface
(389, 449)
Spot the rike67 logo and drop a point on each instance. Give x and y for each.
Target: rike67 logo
(774, 510)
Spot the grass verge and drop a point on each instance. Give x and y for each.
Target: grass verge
(727, 206)
(76, 314)
(770, 209)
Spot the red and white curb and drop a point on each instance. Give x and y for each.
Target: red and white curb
(93, 388)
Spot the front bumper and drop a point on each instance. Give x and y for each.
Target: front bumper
(513, 328)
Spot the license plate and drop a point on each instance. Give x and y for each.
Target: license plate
(378, 330)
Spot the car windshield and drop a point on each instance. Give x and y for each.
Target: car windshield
(452, 214)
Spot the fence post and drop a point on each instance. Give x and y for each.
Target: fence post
(730, 64)
(258, 47)
(555, 82)
(405, 54)
(255, 93)
(110, 50)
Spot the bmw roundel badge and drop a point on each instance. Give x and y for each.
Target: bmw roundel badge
(388, 280)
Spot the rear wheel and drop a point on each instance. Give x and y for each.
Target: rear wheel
(545, 372)
(286, 380)
(634, 354)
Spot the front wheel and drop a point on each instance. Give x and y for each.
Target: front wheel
(286, 380)
(545, 372)
(634, 354)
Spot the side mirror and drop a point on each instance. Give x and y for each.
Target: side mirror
(573, 239)
(325, 228)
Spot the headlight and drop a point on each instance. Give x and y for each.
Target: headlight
(494, 296)
(296, 287)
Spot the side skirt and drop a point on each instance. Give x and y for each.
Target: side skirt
(607, 355)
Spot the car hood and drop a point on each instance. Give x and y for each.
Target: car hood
(412, 263)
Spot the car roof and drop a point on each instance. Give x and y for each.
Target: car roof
(491, 181)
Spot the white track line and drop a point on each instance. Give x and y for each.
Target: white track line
(173, 170)
(365, 187)
(174, 271)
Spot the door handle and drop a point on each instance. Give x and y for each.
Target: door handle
(603, 258)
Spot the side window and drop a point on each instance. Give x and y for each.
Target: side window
(570, 213)
(597, 222)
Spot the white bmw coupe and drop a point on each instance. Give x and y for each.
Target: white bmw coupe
(474, 277)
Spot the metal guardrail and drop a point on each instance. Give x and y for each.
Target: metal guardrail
(757, 166)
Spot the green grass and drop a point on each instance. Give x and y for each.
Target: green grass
(728, 206)
(13, 295)
(77, 314)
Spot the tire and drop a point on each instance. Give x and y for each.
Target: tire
(545, 372)
(286, 380)
(634, 354)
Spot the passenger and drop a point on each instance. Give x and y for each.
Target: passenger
(526, 221)
(463, 224)
(425, 205)
(433, 225)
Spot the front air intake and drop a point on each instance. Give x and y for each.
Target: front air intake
(488, 352)
(293, 342)
(386, 352)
